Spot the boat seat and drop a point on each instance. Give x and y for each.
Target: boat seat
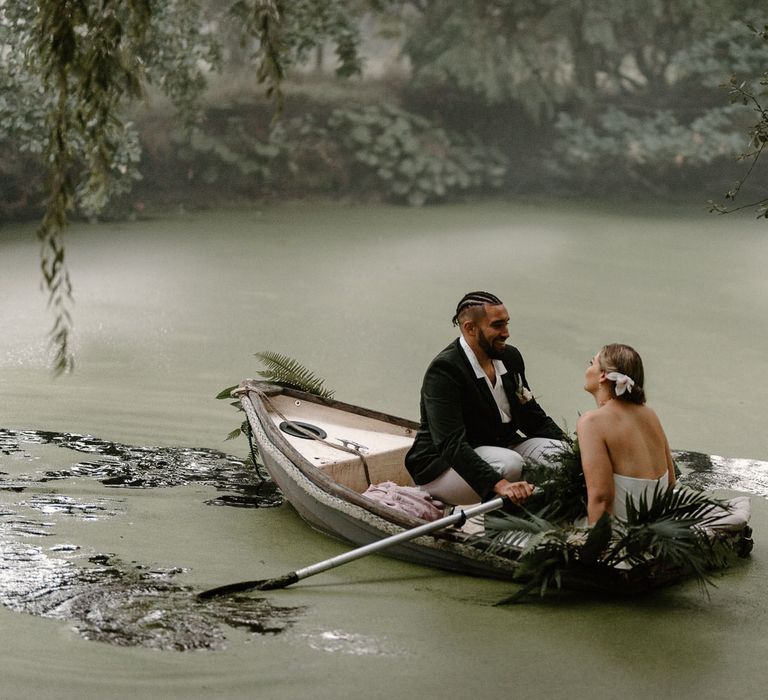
(338, 434)
(382, 466)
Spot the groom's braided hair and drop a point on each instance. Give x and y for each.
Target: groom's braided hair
(474, 299)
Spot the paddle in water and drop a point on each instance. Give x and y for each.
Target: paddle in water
(456, 518)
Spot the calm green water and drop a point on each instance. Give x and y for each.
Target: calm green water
(170, 311)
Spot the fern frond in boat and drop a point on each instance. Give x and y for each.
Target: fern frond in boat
(663, 538)
(286, 371)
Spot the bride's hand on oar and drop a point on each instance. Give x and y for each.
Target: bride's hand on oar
(516, 491)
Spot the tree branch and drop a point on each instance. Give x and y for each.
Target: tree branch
(89, 70)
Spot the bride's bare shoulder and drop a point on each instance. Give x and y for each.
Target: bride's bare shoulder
(589, 418)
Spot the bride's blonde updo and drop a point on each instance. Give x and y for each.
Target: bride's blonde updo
(624, 360)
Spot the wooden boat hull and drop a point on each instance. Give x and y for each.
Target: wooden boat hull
(344, 513)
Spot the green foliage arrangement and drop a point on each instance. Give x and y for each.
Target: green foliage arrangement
(282, 370)
(561, 487)
(286, 371)
(662, 539)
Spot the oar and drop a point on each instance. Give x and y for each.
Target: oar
(456, 518)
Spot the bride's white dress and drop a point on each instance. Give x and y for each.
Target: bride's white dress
(627, 485)
(624, 486)
(733, 516)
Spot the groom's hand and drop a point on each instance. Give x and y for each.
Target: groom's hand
(516, 491)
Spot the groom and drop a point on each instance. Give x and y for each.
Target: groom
(475, 403)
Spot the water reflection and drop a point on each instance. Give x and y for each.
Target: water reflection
(340, 642)
(143, 467)
(131, 604)
(106, 598)
(705, 472)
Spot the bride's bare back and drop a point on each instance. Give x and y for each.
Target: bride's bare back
(629, 436)
(621, 436)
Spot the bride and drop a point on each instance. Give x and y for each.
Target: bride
(623, 447)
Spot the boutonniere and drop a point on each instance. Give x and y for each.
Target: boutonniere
(524, 394)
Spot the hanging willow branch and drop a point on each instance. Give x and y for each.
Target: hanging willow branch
(742, 92)
(89, 59)
(55, 44)
(286, 30)
(92, 58)
(87, 64)
(261, 19)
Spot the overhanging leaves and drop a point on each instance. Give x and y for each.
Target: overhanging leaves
(88, 65)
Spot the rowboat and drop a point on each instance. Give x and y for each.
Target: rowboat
(322, 475)
(323, 455)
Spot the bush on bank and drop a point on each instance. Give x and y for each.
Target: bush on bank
(387, 145)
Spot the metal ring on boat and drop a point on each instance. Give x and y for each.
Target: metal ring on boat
(291, 430)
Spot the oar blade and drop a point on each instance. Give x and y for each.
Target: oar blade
(283, 581)
(269, 584)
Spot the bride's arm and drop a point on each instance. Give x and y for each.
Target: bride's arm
(667, 452)
(670, 464)
(596, 463)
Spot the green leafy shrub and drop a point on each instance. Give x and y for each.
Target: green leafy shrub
(379, 150)
(414, 160)
(648, 150)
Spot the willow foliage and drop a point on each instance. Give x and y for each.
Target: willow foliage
(746, 93)
(88, 66)
(71, 67)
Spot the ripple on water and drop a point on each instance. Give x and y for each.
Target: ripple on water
(706, 472)
(128, 466)
(340, 642)
(107, 599)
(129, 604)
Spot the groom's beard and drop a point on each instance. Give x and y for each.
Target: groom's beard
(489, 348)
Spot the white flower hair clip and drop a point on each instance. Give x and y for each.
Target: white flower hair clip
(623, 382)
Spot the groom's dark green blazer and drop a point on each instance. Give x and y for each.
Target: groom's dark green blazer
(458, 413)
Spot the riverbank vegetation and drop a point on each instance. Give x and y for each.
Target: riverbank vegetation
(422, 101)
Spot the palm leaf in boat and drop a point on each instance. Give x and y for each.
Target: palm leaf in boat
(560, 483)
(282, 370)
(286, 371)
(669, 530)
(663, 538)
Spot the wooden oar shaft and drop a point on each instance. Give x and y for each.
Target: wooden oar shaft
(456, 518)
